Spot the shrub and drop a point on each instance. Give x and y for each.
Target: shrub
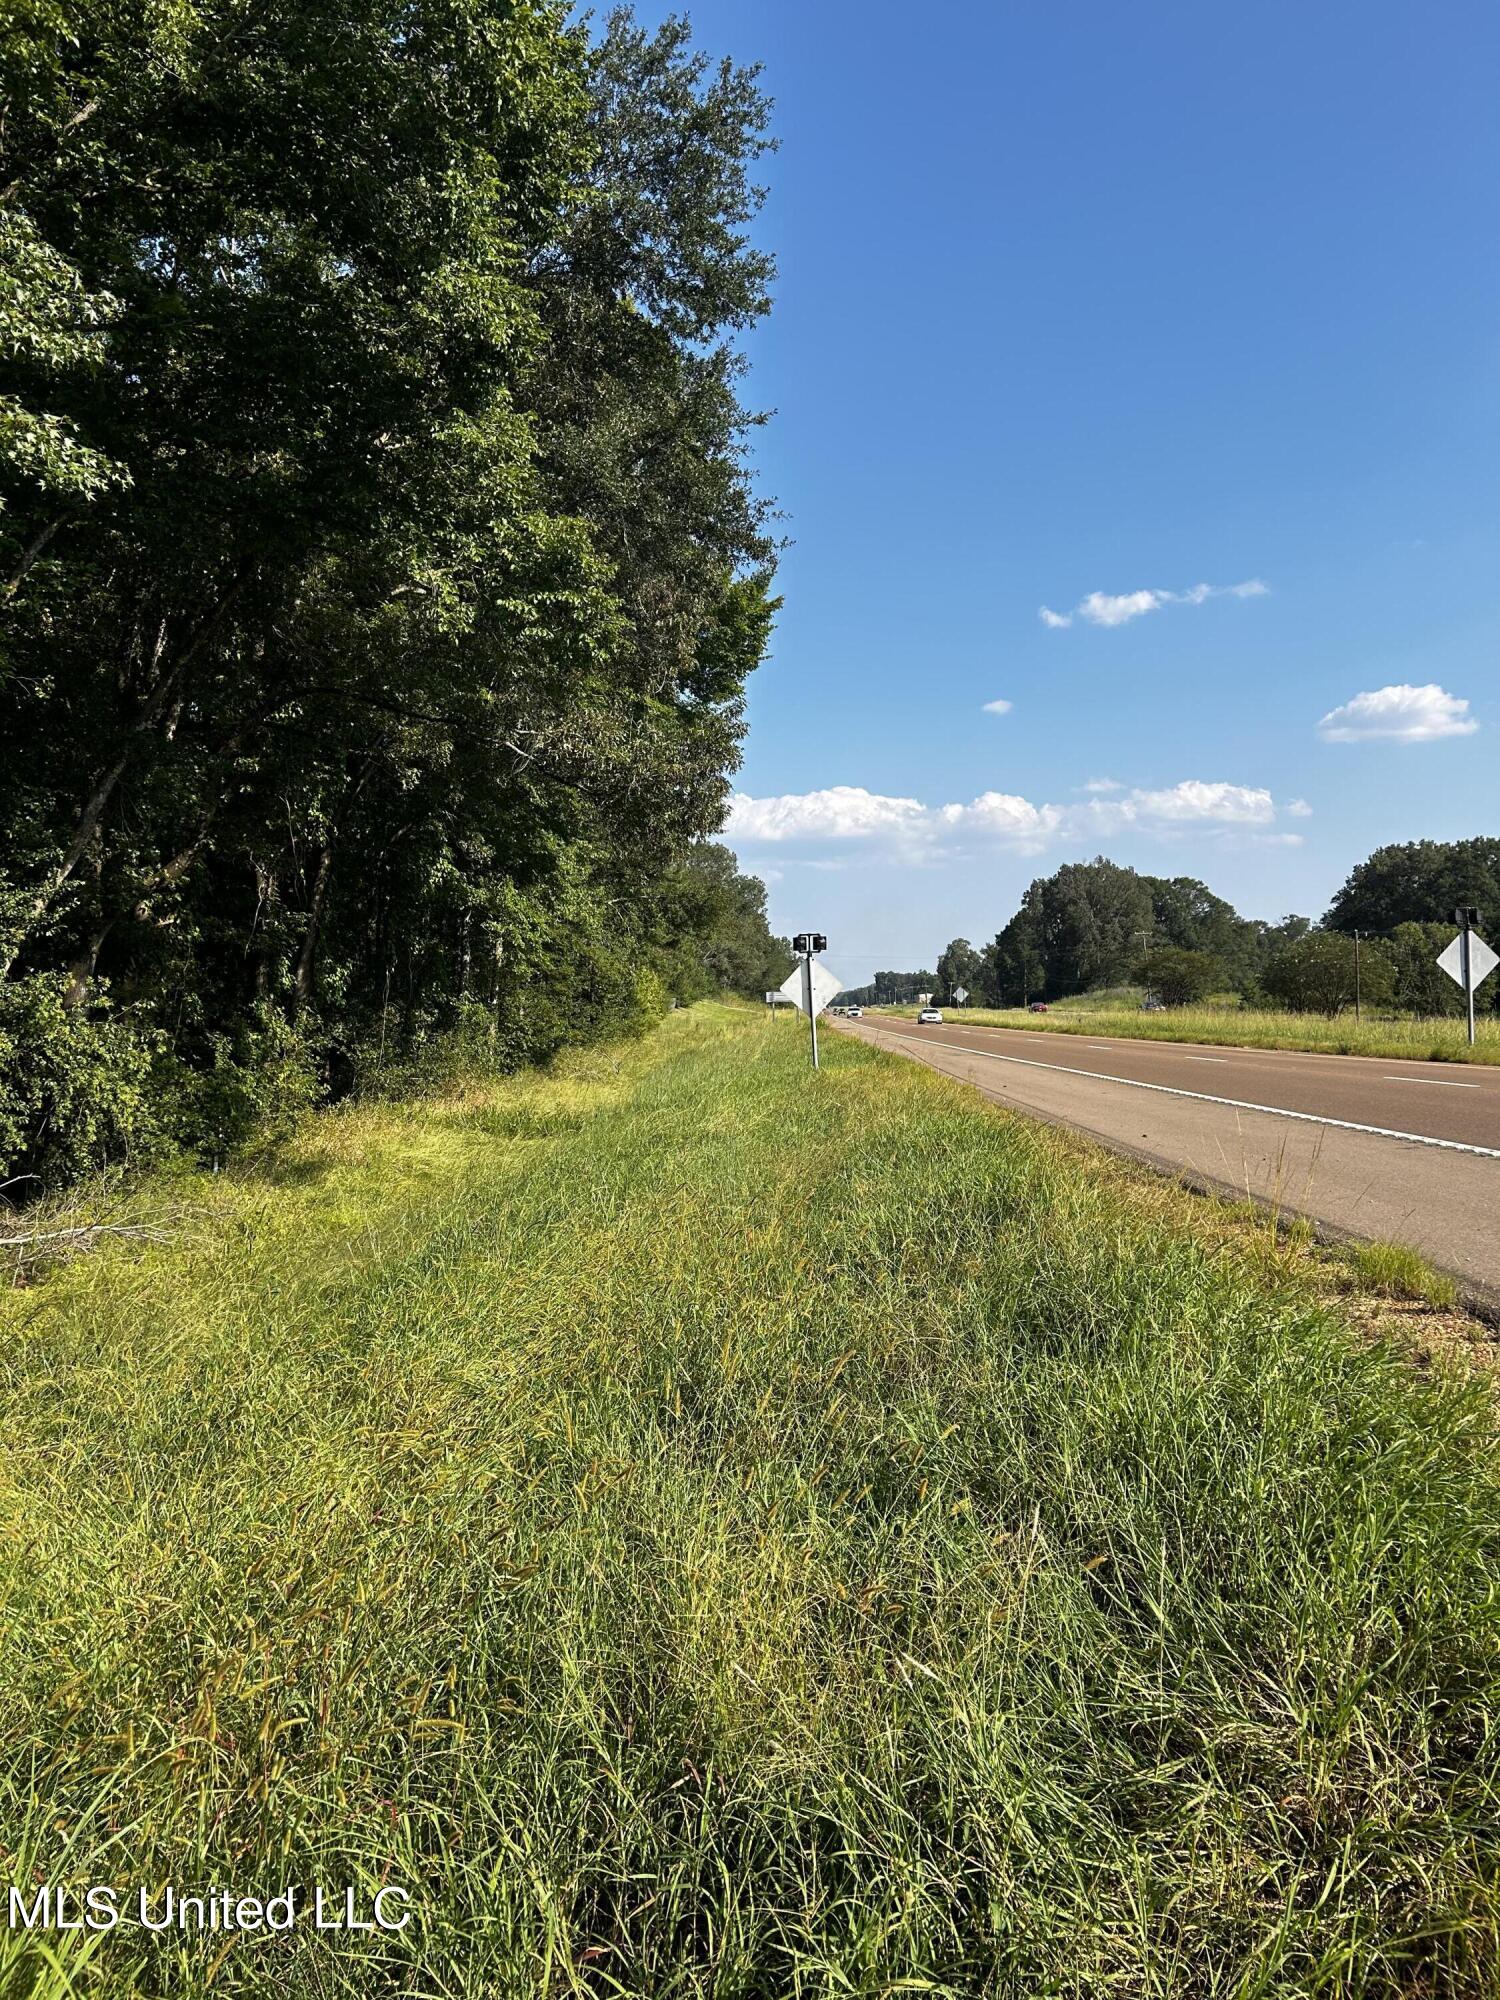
(1178, 977)
(252, 1087)
(75, 1085)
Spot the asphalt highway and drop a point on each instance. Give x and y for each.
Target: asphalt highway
(1406, 1151)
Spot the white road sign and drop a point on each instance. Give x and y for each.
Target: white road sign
(824, 985)
(960, 994)
(1482, 961)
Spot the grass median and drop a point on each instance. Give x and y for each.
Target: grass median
(1434, 1039)
(703, 1528)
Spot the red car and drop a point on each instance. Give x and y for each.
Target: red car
(1037, 1007)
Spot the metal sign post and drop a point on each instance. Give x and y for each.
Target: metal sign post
(812, 986)
(1468, 960)
(807, 1005)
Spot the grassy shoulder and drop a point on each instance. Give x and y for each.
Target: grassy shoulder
(1429, 1040)
(702, 1528)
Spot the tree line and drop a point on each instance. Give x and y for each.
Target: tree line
(379, 566)
(1094, 925)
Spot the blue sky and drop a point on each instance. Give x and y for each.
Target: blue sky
(1079, 302)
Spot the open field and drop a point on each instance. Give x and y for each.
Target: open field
(1431, 1040)
(704, 1529)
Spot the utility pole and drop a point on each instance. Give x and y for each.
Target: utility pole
(1356, 979)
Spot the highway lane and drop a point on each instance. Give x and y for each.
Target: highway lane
(1408, 1151)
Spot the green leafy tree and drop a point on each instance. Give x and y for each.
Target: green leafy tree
(1079, 928)
(712, 929)
(959, 964)
(897, 989)
(1317, 974)
(1178, 977)
(1422, 987)
(381, 571)
(1420, 881)
(1185, 913)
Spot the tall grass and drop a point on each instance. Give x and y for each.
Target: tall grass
(709, 1529)
(1430, 1039)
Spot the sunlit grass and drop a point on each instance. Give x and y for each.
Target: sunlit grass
(1434, 1039)
(707, 1529)
(1403, 1272)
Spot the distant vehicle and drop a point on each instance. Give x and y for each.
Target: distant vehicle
(1037, 1007)
(1153, 1007)
(854, 1013)
(930, 1017)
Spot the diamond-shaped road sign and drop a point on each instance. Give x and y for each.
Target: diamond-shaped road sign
(824, 985)
(1482, 961)
(960, 994)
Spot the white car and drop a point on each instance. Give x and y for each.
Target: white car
(930, 1017)
(854, 1013)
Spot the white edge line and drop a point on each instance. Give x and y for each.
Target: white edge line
(1203, 1097)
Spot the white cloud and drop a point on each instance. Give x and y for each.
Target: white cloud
(998, 707)
(1099, 608)
(842, 812)
(1404, 714)
(849, 812)
(1102, 785)
(1193, 799)
(1298, 809)
(1005, 816)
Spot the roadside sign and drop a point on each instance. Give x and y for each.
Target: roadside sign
(960, 994)
(824, 985)
(1468, 960)
(1482, 961)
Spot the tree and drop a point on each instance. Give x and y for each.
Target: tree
(379, 567)
(713, 931)
(959, 964)
(1186, 913)
(1420, 881)
(1422, 987)
(1317, 974)
(1079, 928)
(1177, 977)
(897, 989)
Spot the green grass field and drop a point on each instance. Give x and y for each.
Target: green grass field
(1434, 1040)
(706, 1530)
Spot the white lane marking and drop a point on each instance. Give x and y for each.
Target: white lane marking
(1433, 1082)
(1235, 1103)
(1217, 1059)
